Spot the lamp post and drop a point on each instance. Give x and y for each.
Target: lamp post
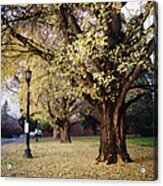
(37, 130)
(27, 152)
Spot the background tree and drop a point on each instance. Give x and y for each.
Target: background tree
(91, 122)
(141, 116)
(101, 50)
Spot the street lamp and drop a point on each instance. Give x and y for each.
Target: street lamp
(27, 152)
(37, 130)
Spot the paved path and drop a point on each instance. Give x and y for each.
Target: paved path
(12, 140)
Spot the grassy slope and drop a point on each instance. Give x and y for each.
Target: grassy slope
(77, 160)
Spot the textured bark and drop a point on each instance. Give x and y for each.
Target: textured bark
(120, 133)
(119, 113)
(124, 154)
(107, 150)
(113, 135)
(65, 133)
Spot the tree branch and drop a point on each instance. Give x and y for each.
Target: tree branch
(134, 100)
(49, 109)
(142, 87)
(133, 75)
(43, 52)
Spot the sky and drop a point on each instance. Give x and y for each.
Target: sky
(12, 102)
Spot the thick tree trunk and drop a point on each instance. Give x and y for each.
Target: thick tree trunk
(119, 113)
(113, 134)
(107, 150)
(120, 133)
(56, 132)
(122, 128)
(65, 133)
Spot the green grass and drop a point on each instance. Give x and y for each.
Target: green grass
(143, 141)
(148, 142)
(44, 139)
(77, 160)
(85, 138)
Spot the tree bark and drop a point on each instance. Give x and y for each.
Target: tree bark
(113, 135)
(124, 153)
(119, 113)
(107, 150)
(56, 132)
(120, 133)
(65, 132)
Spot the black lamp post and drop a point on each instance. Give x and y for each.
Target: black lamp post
(27, 152)
(37, 130)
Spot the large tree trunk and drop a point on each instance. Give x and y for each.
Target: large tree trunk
(107, 150)
(113, 135)
(120, 133)
(56, 132)
(119, 113)
(65, 133)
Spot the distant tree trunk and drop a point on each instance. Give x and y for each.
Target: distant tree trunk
(56, 132)
(65, 132)
(107, 150)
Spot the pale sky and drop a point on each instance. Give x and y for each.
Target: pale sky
(12, 102)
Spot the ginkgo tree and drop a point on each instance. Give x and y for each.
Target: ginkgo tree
(96, 46)
(52, 99)
(57, 102)
(49, 98)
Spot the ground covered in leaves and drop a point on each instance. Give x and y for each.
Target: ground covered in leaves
(77, 160)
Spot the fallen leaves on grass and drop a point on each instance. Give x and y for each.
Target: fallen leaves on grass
(77, 160)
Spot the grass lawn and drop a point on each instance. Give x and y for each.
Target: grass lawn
(77, 160)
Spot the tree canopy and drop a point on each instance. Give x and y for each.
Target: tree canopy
(92, 51)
